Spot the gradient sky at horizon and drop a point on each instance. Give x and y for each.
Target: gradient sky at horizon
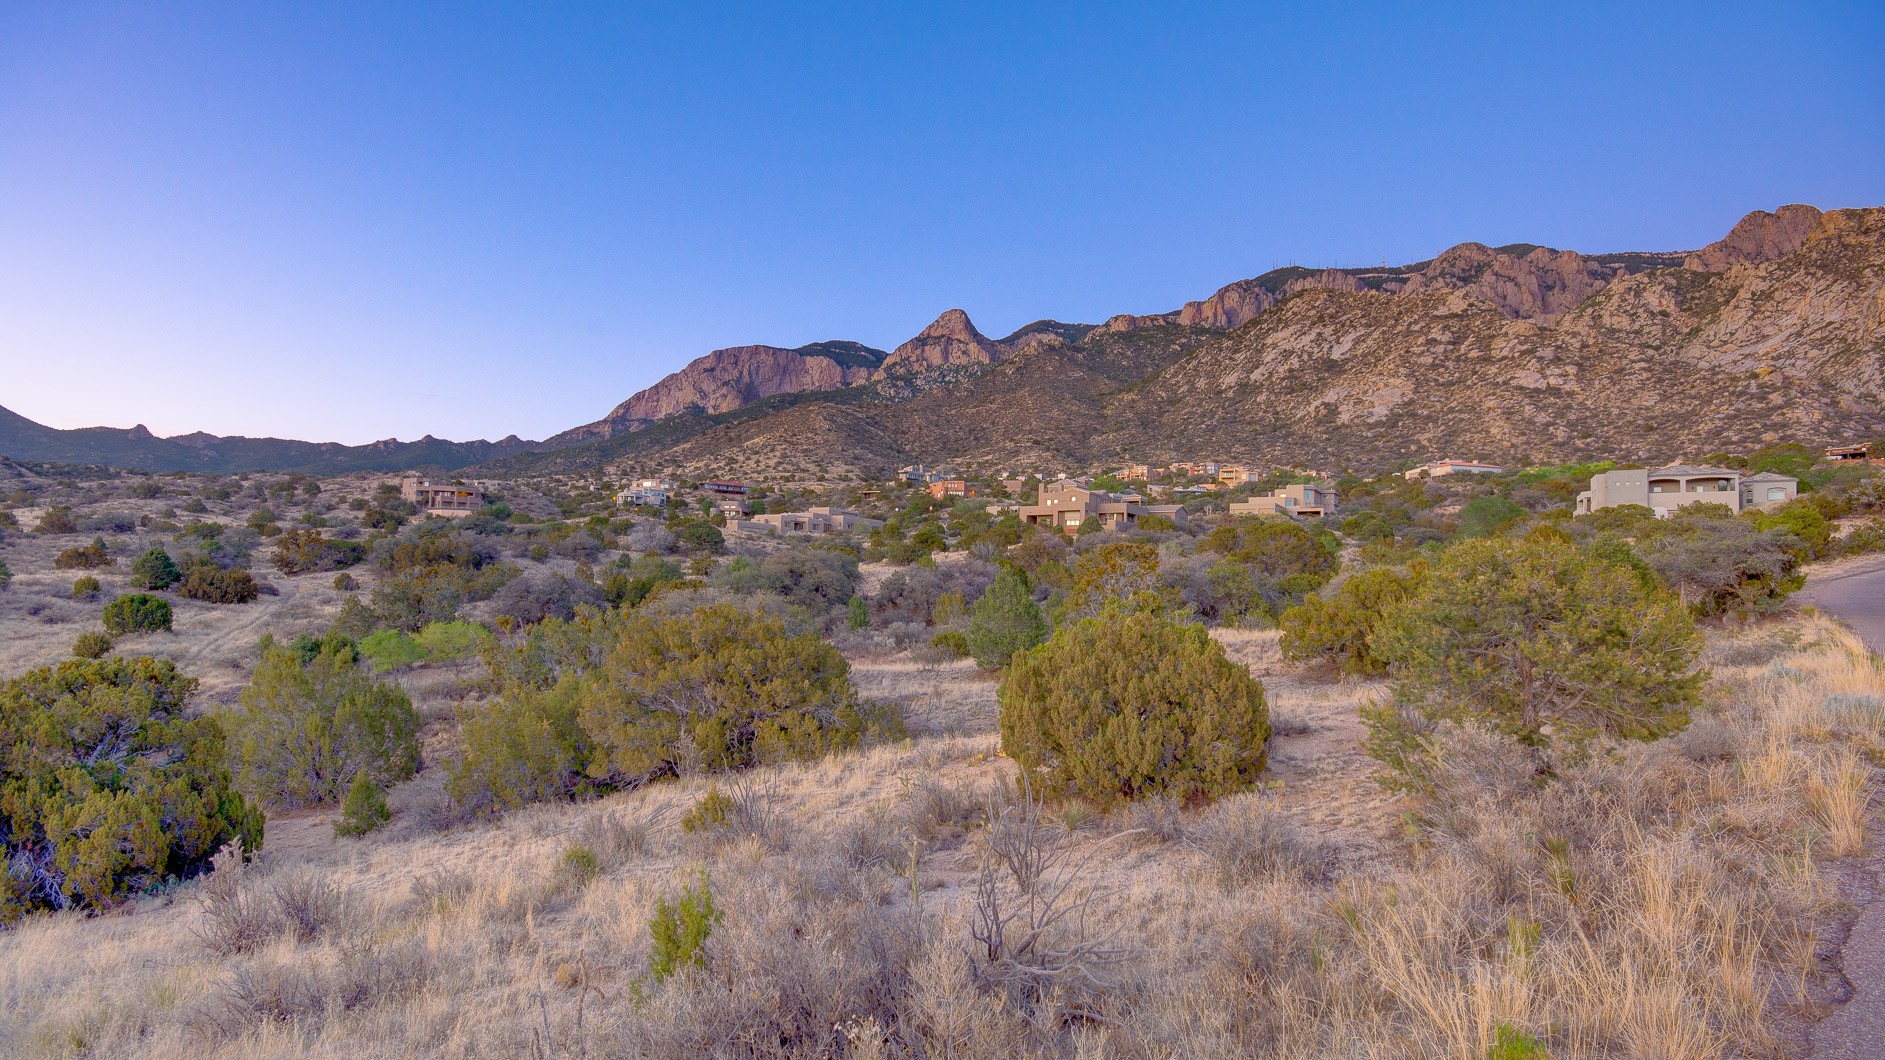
(349, 221)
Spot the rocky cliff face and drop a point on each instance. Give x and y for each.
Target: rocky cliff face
(1542, 284)
(728, 379)
(1760, 236)
(1658, 365)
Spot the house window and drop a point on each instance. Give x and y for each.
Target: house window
(1776, 493)
(1655, 487)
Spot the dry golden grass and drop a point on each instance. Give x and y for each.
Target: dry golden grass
(1667, 902)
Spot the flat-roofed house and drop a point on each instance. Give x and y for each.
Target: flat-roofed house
(1442, 468)
(1066, 504)
(1665, 489)
(651, 491)
(1840, 453)
(949, 487)
(823, 520)
(1135, 473)
(1238, 475)
(452, 500)
(1302, 500)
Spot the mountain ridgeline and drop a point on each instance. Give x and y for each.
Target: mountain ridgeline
(1510, 353)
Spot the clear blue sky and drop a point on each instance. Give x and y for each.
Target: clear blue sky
(348, 221)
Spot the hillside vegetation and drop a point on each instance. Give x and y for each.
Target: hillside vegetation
(1452, 774)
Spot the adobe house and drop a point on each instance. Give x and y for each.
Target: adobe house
(950, 487)
(451, 500)
(1307, 500)
(1665, 489)
(1442, 468)
(1066, 504)
(1842, 453)
(821, 520)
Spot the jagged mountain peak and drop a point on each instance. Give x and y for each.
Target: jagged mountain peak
(952, 324)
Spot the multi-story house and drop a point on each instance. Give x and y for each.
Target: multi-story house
(1066, 504)
(450, 499)
(1303, 500)
(651, 491)
(1238, 475)
(950, 487)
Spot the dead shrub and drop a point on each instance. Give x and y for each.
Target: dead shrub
(1034, 939)
(617, 838)
(932, 813)
(306, 993)
(241, 911)
(304, 904)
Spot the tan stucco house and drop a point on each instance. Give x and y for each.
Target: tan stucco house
(1665, 489)
(1301, 500)
(821, 520)
(1066, 504)
(452, 500)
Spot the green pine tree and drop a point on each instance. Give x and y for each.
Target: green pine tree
(155, 570)
(364, 808)
(1005, 621)
(860, 616)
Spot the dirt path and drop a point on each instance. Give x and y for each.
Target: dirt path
(1856, 1030)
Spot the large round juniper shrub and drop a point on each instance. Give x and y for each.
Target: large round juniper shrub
(612, 700)
(1552, 644)
(155, 570)
(215, 585)
(1344, 630)
(91, 644)
(88, 557)
(137, 613)
(108, 787)
(310, 725)
(1132, 704)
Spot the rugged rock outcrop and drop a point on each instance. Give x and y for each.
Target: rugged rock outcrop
(1760, 236)
(1542, 284)
(728, 379)
(1237, 304)
(951, 339)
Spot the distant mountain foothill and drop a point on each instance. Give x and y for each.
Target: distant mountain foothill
(1511, 353)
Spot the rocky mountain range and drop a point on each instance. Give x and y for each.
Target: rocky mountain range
(1519, 352)
(1525, 282)
(1516, 352)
